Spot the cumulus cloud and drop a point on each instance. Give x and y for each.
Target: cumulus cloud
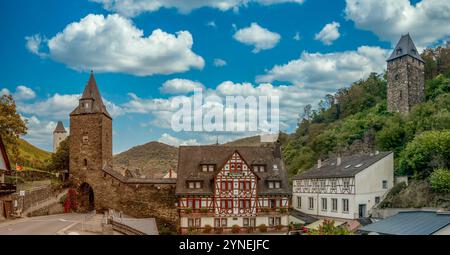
(179, 86)
(426, 20)
(34, 44)
(257, 36)
(329, 33)
(219, 62)
(114, 44)
(5, 91)
(329, 71)
(39, 131)
(24, 93)
(171, 140)
(59, 106)
(135, 7)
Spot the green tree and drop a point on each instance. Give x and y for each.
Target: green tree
(11, 124)
(437, 86)
(427, 151)
(328, 228)
(60, 159)
(440, 180)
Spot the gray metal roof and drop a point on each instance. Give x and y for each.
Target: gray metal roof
(349, 166)
(405, 47)
(410, 223)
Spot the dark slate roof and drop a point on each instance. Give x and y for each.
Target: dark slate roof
(59, 128)
(91, 92)
(349, 166)
(405, 47)
(410, 223)
(308, 219)
(191, 157)
(134, 180)
(4, 154)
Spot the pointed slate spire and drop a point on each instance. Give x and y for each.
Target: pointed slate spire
(91, 100)
(405, 47)
(59, 128)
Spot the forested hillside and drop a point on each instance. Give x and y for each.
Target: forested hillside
(356, 118)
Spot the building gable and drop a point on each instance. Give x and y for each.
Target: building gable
(4, 161)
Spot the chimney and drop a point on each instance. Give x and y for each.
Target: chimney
(277, 149)
(319, 163)
(338, 160)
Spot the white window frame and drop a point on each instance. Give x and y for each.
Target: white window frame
(324, 204)
(310, 203)
(345, 205)
(334, 204)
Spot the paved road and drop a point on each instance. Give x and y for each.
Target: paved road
(43, 225)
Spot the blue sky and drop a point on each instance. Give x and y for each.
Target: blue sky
(45, 61)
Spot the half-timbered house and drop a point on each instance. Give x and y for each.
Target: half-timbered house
(346, 188)
(224, 188)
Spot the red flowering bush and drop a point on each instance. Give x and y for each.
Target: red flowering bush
(71, 202)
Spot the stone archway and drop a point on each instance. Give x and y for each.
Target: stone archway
(87, 203)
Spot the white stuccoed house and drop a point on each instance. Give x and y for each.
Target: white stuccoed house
(344, 187)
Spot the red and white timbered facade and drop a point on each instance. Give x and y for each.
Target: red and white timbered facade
(235, 189)
(231, 199)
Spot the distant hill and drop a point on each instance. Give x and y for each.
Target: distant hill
(32, 156)
(153, 159)
(255, 140)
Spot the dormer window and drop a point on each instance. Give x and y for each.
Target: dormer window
(194, 184)
(259, 168)
(274, 184)
(399, 51)
(413, 51)
(208, 168)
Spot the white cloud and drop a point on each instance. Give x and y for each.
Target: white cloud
(55, 107)
(329, 71)
(257, 36)
(211, 24)
(40, 132)
(179, 86)
(219, 62)
(135, 7)
(329, 33)
(297, 37)
(114, 44)
(5, 91)
(171, 140)
(426, 20)
(24, 93)
(34, 43)
(58, 107)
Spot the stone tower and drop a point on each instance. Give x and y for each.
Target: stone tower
(405, 77)
(59, 135)
(90, 136)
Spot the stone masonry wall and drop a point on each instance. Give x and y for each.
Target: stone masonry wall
(91, 140)
(405, 78)
(137, 200)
